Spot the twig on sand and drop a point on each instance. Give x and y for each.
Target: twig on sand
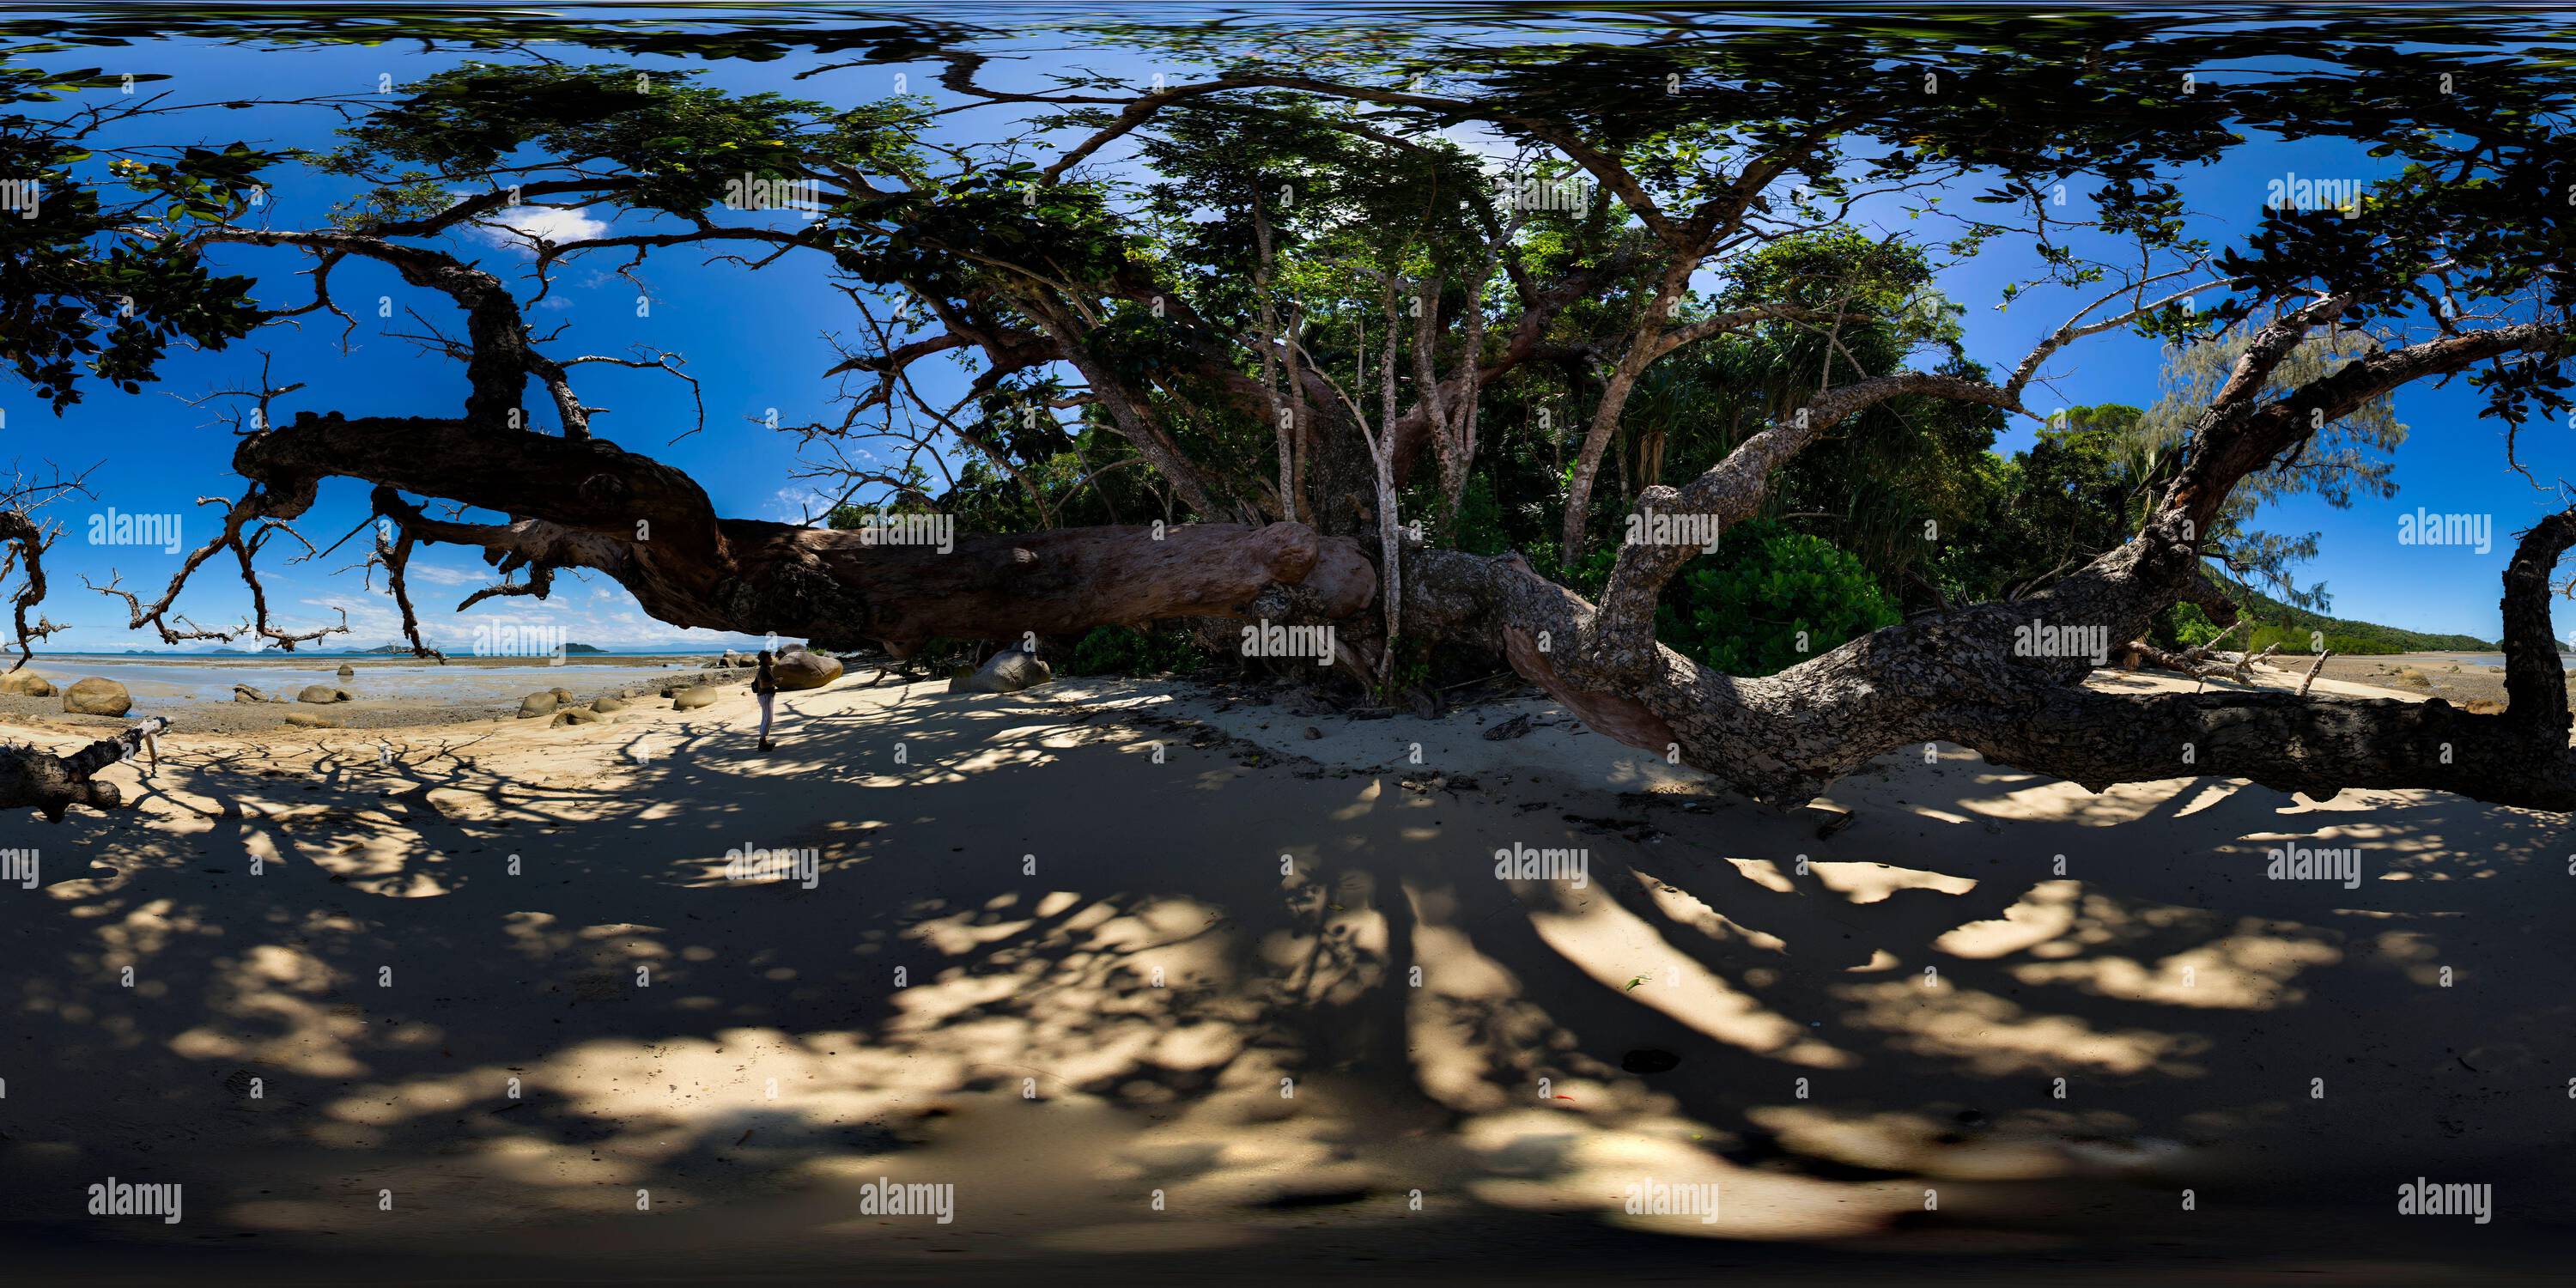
(2313, 668)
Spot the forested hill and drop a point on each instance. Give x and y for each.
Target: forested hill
(2345, 636)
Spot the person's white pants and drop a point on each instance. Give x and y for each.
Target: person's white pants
(768, 708)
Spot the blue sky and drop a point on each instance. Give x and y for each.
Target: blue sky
(757, 343)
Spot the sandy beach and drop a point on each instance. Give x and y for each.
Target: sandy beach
(2457, 678)
(197, 692)
(1165, 979)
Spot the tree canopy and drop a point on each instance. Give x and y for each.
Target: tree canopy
(1460, 337)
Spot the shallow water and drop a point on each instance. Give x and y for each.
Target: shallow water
(201, 679)
(2497, 660)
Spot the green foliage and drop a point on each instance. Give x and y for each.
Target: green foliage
(98, 269)
(2292, 626)
(2182, 626)
(1743, 609)
(2078, 491)
(1479, 529)
(680, 143)
(1124, 650)
(1149, 251)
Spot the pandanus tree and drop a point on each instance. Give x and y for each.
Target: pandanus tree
(1286, 285)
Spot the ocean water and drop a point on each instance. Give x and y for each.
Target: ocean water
(183, 678)
(2497, 660)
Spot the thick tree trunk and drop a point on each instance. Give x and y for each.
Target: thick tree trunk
(594, 505)
(1963, 675)
(52, 784)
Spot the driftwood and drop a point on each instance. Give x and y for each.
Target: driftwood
(53, 784)
(2202, 661)
(2313, 668)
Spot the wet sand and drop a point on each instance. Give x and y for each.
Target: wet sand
(2440, 675)
(206, 708)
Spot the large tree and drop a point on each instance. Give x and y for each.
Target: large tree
(1286, 287)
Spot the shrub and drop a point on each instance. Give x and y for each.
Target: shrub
(1124, 650)
(2183, 626)
(1770, 598)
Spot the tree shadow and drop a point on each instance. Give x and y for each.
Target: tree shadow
(1098, 967)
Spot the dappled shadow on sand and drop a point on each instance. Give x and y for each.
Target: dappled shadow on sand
(1133, 987)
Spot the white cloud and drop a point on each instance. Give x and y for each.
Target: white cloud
(799, 504)
(440, 575)
(517, 226)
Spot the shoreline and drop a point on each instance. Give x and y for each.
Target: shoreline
(360, 712)
(2369, 676)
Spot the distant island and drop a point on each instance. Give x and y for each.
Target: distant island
(393, 649)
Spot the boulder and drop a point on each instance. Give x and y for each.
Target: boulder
(563, 697)
(96, 697)
(1009, 671)
(322, 693)
(26, 684)
(308, 720)
(541, 703)
(245, 693)
(733, 659)
(692, 699)
(578, 716)
(607, 706)
(348, 672)
(803, 670)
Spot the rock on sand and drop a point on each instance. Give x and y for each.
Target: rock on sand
(803, 670)
(96, 697)
(1009, 671)
(26, 684)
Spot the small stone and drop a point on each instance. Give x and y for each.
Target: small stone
(1649, 1060)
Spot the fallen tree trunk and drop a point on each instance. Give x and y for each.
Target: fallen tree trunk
(52, 784)
(590, 504)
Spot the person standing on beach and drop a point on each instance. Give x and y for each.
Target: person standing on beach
(764, 687)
